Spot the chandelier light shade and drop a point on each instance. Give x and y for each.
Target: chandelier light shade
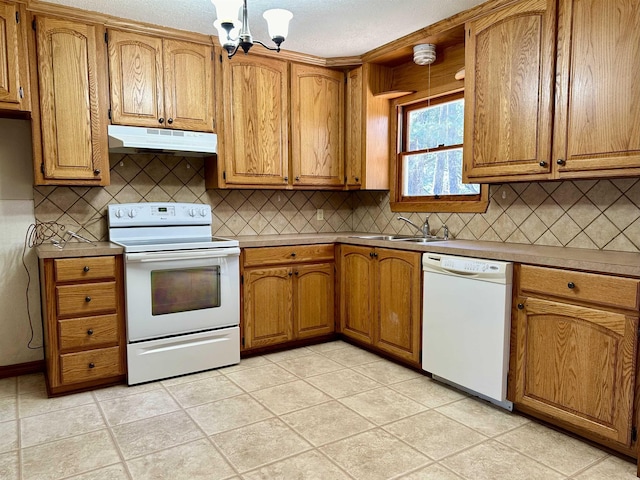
(232, 25)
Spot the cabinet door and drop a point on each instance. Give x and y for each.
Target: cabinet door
(256, 112)
(577, 365)
(357, 279)
(597, 102)
(13, 70)
(268, 306)
(135, 73)
(398, 291)
(313, 299)
(317, 126)
(508, 91)
(72, 79)
(354, 128)
(188, 88)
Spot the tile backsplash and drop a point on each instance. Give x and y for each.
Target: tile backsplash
(594, 214)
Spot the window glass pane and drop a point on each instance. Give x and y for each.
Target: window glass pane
(438, 173)
(186, 289)
(441, 124)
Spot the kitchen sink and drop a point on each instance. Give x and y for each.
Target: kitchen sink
(400, 238)
(420, 239)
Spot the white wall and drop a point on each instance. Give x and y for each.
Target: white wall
(16, 214)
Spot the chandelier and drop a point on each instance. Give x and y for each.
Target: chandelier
(234, 33)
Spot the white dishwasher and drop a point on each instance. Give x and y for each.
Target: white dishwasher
(466, 324)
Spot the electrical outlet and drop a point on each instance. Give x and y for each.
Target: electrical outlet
(319, 214)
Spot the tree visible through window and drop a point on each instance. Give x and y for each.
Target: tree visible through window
(430, 157)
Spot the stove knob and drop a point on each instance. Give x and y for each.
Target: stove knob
(203, 212)
(119, 213)
(192, 212)
(132, 213)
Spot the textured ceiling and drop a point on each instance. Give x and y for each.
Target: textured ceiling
(326, 28)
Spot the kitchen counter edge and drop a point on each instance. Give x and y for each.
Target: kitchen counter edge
(75, 249)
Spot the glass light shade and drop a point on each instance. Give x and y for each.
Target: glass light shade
(227, 39)
(278, 22)
(227, 10)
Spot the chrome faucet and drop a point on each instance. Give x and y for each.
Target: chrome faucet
(424, 229)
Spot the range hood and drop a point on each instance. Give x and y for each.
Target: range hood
(123, 139)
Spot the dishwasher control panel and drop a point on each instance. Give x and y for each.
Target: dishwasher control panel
(481, 269)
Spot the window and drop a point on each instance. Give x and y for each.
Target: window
(429, 162)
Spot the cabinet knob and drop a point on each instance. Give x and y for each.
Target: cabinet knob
(560, 161)
(86, 268)
(297, 179)
(92, 365)
(290, 273)
(286, 179)
(161, 120)
(170, 121)
(571, 285)
(293, 254)
(375, 255)
(357, 179)
(296, 272)
(90, 332)
(543, 164)
(520, 306)
(97, 171)
(371, 254)
(87, 299)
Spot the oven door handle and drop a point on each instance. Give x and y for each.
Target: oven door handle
(187, 255)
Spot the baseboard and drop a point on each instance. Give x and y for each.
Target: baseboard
(21, 369)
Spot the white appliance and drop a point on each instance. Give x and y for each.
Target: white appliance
(182, 290)
(124, 139)
(466, 324)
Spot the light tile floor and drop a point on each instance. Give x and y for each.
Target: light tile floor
(329, 411)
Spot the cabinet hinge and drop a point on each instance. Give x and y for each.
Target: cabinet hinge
(242, 279)
(634, 434)
(224, 175)
(220, 58)
(21, 92)
(33, 24)
(109, 114)
(42, 167)
(106, 37)
(243, 341)
(17, 17)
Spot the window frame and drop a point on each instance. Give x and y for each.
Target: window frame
(432, 203)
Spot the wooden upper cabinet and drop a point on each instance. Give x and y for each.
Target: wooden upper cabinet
(256, 105)
(508, 91)
(73, 103)
(317, 126)
(160, 83)
(597, 127)
(14, 77)
(367, 130)
(135, 73)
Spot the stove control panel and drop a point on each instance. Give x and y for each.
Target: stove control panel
(154, 214)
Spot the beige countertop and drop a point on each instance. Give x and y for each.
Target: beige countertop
(617, 263)
(78, 249)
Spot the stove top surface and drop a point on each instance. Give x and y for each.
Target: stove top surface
(167, 244)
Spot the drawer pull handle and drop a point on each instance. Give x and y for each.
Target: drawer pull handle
(571, 285)
(86, 268)
(87, 299)
(520, 306)
(293, 254)
(90, 332)
(92, 365)
(357, 179)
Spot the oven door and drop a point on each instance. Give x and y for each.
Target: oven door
(181, 291)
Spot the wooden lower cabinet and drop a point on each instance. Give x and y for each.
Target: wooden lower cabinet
(290, 297)
(83, 320)
(575, 351)
(380, 299)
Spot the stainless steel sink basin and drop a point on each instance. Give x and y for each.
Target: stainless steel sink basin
(383, 237)
(419, 239)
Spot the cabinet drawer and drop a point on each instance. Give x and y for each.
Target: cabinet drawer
(586, 287)
(86, 268)
(88, 332)
(86, 299)
(282, 255)
(90, 365)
